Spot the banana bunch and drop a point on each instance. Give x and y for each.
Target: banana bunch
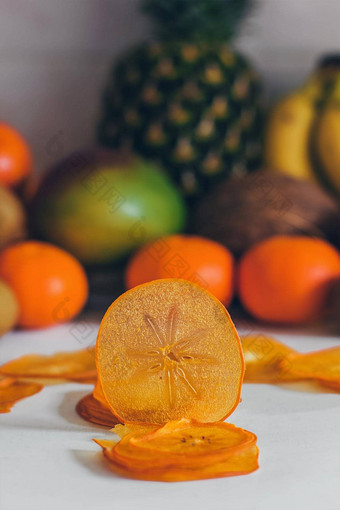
(303, 132)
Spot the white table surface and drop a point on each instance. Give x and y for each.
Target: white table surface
(48, 461)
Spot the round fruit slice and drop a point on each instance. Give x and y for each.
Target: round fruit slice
(193, 438)
(168, 350)
(238, 463)
(321, 365)
(183, 450)
(267, 360)
(186, 442)
(93, 411)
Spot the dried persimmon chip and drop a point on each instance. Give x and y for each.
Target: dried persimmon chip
(78, 366)
(241, 462)
(190, 439)
(11, 391)
(99, 395)
(90, 409)
(335, 386)
(323, 366)
(183, 450)
(167, 350)
(267, 360)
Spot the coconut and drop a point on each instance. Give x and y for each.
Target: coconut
(12, 218)
(244, 210)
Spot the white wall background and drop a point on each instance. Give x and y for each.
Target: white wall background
(55, 56)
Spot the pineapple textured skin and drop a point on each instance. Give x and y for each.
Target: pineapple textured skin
(195, 107)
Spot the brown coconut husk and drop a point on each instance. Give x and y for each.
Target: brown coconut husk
(245, 210)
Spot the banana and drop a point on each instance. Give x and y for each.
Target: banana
(327, 139)
(288, 133)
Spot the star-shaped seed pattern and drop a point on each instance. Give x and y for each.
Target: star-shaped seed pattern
(172, 355)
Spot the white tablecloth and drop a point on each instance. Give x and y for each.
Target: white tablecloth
(48, 461)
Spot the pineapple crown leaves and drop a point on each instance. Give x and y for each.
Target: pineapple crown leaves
(197, 20)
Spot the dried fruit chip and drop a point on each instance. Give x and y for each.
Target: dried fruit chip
(335, 386)
(184, 450)
(267, 360)
(321, 365)
(239, 463)
(78, 366)
(167, 350)
(270, 361)
(93, 411)
(189, 439)
(11, 391)
(99, 395)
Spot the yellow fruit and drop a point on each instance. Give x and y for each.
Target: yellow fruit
(328, 141)
(12, 218)
(287, 141)
(9, 309)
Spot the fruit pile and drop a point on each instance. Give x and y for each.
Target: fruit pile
(40, 284)
(302, 135)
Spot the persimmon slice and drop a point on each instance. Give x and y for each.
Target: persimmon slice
(90, 409)
(189, 439)
(11, 391)
(76, 366)
(99, 395)
(183, 450)
(168, 350)
(267, 360)
(239, 463)
(322, 365)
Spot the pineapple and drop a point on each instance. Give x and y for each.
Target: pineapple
(187, 99)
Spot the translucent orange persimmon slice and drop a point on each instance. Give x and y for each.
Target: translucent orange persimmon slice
(189, 441)
(99, 395)
(239, 463)
(321, 365)
(90, 409)
(95, 409)
(11, 391)
(76, 366)
(184, 450)
(267, 360)
(167, 350)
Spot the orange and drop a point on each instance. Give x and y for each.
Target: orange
(200, 260)
(15, 156)
(50, 284)
(168, 350)
(288, 279)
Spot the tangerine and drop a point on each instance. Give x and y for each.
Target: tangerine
(287, 279)
(50, 284)
(193, 258)
(15, 156)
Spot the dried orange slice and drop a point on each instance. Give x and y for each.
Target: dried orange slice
(11, 391)
(90, 409)
(76, 366)
(167, 350)
(267, 360)
(184, 450)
